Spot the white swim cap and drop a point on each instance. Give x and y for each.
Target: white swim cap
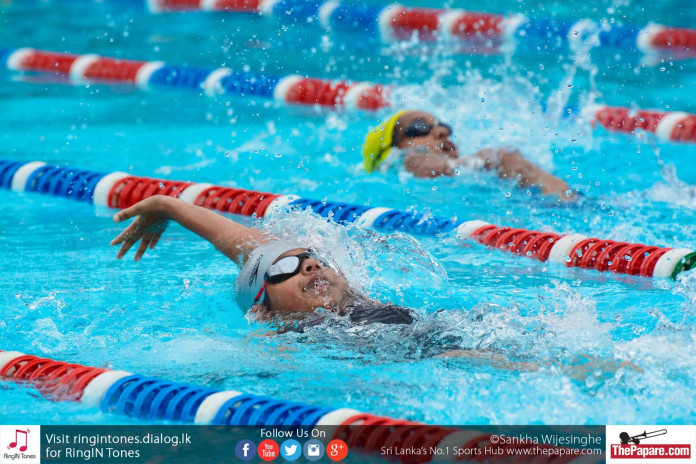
(250, 278)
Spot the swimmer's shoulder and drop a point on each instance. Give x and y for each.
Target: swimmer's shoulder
(371, 312)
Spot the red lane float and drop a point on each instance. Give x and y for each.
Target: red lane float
(576, 250)
(400, 23)
(287, 89)
(656, 37)
(56, 380)
(235, 201)
(673, 126)
(78, 67)
(130, 190)
(532, 244)
(166, 6)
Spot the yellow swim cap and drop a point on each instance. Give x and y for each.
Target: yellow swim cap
(378, 143)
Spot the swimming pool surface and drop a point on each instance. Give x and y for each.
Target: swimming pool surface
(172, 315)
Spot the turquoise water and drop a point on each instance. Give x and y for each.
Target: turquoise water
(64, 295)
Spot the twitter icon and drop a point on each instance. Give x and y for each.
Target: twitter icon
(290, 450)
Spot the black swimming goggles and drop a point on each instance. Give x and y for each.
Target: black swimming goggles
(288, 267)
(420, 128)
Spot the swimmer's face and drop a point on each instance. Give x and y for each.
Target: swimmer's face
(315, 286)
(420, 129)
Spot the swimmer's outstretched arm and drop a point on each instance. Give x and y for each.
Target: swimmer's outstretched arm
(232, 239)
(579, 368)
(510, 164)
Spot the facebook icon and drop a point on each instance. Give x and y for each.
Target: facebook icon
(245, 450)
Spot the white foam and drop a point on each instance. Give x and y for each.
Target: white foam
(280, 205)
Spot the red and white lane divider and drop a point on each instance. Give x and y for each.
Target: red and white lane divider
(675, 126)
(152, 399)
(292, 89)
(121, 190)
(580, 251)
(298, 90)
(398, 22)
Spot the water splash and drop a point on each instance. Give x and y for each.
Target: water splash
(372, 262)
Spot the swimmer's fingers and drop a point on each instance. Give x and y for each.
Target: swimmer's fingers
(144, 243)
(156, 238)
(127, 244)
(133, 231)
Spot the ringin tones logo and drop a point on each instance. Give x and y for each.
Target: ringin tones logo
(673, 444)
(20, 444)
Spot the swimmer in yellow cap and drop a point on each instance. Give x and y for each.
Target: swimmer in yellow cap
(427, 151)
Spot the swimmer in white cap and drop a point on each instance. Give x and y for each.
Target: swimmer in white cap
(277, 278)
(280, 280)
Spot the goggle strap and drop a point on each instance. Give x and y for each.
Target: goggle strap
(258, 295)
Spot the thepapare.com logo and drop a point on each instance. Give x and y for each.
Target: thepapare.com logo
(20, 444)
(651, 443)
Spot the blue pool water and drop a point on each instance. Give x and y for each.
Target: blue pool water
(64, 295)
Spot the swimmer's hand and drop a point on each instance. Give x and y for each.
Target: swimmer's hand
(581, 367)
(510, 164)
(232, 239)
(149, 225)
